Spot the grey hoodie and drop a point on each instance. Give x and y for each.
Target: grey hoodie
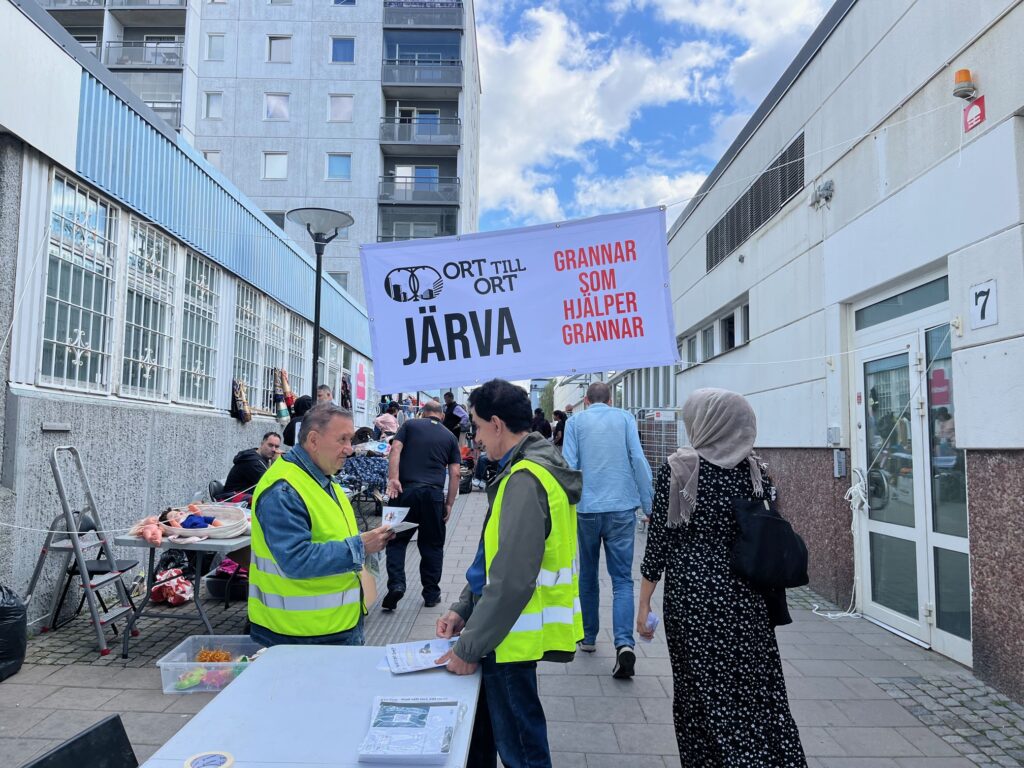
(524, 527)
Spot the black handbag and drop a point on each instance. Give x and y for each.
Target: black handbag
(767, 552)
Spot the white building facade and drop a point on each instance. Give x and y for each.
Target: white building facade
(852, 265)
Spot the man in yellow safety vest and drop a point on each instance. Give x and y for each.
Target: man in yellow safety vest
(306, 547)
(521, 603)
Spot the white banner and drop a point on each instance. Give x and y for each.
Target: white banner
(575, 297)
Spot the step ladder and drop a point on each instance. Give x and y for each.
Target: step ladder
(65, 540)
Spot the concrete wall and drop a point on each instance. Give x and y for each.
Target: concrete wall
(139, 458)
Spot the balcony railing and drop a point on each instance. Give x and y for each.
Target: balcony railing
(408, 189)
(93, 48)
(170, 111)
(421, 130)
(61, 4)
(147, 3)
(403, 72)
(144, 54)
(425, 13)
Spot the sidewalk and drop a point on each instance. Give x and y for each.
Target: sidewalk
(861, 696)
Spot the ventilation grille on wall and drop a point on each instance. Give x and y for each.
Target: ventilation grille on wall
(766, 196)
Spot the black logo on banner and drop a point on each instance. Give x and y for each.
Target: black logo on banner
(413, 284)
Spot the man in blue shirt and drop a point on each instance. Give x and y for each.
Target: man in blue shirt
(604, 444)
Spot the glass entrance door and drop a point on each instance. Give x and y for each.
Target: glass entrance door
(913, 543)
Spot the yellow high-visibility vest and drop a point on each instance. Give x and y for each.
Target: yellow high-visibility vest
(323, 605)
(552, 620)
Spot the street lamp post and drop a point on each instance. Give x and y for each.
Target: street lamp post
(318, 223)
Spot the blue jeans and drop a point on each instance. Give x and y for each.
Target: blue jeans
(617, 530)
(510, 720)
(266, 637)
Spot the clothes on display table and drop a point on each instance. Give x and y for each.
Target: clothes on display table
(371, 471)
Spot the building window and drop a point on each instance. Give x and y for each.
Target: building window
(275, 338)
(344, 2)
(212, 156)
(277, 217)
(765, 198)
(341, 108)
(248, 311)
(728, 332)
(276, 106)
(279, 49)
(280, 2)
(215, 47)
(745, 322)
(343, 50)
(275, 165)
(196, 382)
(213, 105)
(707, 343)
(79, 284)
(691, 351)
(298, 353)
(329, 367)
(339, 167)
(341, 278)
(149, 313)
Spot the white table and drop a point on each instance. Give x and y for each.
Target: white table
(306, 706)
(202, 548)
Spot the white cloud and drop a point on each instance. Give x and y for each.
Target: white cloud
(551, 89)
(640, 188)
(773, 29)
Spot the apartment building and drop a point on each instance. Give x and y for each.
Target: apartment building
(851, 265)
(139, 287)
(365, 106)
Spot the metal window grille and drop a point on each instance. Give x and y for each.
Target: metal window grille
(246, 368)
(659, 433)
(149, 314)
(79, 282)
(298, 347)
(275, 337)
(762, 200)
(196, 382)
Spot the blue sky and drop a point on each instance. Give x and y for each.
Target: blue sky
(610, 105)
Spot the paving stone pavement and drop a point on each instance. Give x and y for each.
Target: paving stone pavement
(861, 695)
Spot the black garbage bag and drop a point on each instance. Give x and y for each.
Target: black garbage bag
(13, 632)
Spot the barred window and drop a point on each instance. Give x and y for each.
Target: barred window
(149, 313)
(198, 376)
(298, 349)
(275, 334)
(246, 369)
(79, 284)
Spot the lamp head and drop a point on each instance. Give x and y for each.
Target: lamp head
(320, 222)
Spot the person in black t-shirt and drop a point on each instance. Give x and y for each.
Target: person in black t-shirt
(422, 453)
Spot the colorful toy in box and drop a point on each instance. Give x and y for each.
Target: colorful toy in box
(190, 679)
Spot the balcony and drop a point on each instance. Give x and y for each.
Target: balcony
(170, 111)
(425, 191)
(413, 223)
(147, 3)
(72, 4)
(420, 135)
(425, 14)
(91, 47)
(145, 54)
(406, 78)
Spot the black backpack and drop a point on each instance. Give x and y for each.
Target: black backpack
(767, 552)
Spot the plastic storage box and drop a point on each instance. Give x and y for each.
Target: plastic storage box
(181, 673)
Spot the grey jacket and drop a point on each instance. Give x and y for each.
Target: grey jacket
(525, 526)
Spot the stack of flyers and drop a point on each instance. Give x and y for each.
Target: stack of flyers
(414, 730)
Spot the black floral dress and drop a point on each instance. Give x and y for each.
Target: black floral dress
(729, 701)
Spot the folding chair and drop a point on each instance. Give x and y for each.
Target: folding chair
(103, 745)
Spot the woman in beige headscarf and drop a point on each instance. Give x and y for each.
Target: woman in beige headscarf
(729, 701)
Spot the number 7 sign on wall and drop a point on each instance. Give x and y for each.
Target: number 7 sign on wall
(983, 304)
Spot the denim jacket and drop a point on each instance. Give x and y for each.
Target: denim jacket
(286, 527)
(603, 443)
